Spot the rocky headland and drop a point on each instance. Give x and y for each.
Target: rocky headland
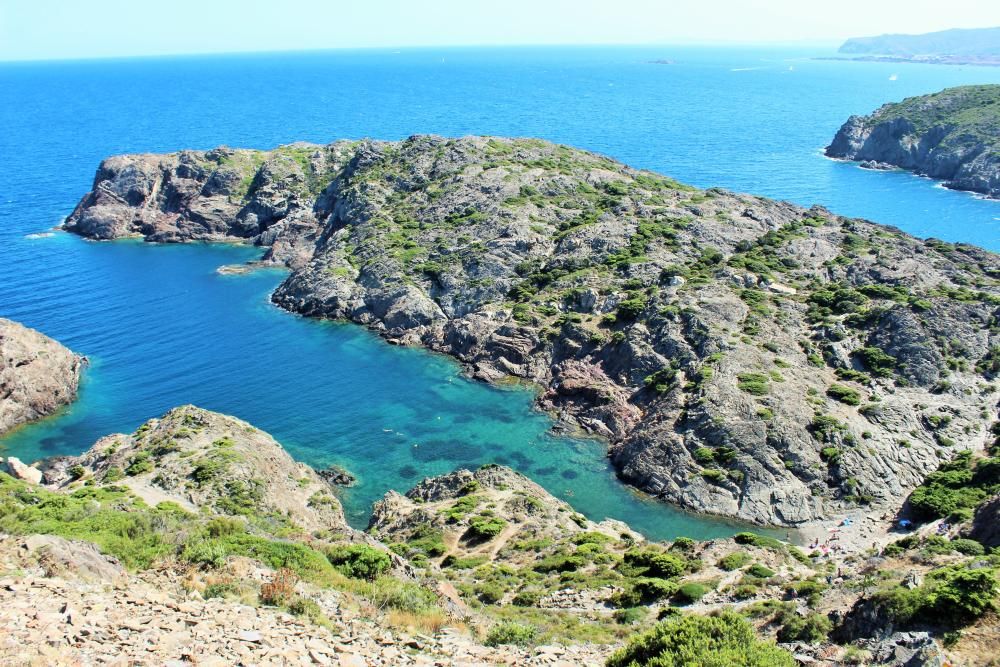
(37, 375)
(744, 357)
(952, 136)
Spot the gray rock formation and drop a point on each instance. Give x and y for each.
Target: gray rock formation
(744, 357)
(527, 510)
(37, 375)
(952, 136)
(206, 462)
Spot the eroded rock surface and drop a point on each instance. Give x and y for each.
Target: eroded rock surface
(37, 375)
(744, 357)
(206, 461)
(952, 136)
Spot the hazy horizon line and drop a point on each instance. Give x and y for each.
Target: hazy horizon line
(430, 47)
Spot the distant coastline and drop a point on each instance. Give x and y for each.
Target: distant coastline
(985, 61)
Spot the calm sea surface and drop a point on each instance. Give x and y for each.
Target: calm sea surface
(162, 328)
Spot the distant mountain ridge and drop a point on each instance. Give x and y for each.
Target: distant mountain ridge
(975, 43)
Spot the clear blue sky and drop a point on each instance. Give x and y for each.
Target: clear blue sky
(43, 29)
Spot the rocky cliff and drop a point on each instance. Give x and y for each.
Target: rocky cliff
(37, 375)
(953, 136)
(744, 357)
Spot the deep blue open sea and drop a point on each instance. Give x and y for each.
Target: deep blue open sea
(161, 328)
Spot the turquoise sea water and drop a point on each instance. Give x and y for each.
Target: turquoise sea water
(162, 328)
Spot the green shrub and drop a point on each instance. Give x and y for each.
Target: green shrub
(468, 563)
(653, 563)
(811, 628)
(753, 539)
(77, 471)
(427, 540)
(760, 571)
(486, 527)
(392, 593)
(704, 455)
(304, 561)
(753, 383)
(527, 598)
(306, 608)
(591, 538)
(631, 308)
(845, 395)
(683, 544)
(808, 589)
(877, 361)
(489, 592)
(630, 616)
(208, 468)
(359, 561)
(726, 640)
(644, 590)
(511, 633)
(952, 487)
(955, 595)
(559, 563)
(968, 547)
(690, 593)
(462, 507)
(734, 561)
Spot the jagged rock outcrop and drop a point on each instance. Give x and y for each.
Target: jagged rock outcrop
(450, 504)
(206, 462)
(37, 375)
(953, 136)
(744, 357)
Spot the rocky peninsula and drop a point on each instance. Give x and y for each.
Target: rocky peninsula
(37, 375)
(952, 136)
(744, 357)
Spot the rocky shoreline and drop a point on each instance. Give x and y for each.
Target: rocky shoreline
(951, 136)
(198, 540)
(37, 375)
(743, 357)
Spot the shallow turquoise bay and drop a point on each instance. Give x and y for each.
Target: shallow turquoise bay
(162, 328)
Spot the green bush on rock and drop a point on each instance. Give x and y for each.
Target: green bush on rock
(359, 561)
(511, 633)
(726, 640)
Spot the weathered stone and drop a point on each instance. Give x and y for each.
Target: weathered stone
(24, 472)
(37, 375)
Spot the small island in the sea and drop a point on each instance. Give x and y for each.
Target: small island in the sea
(953, 136)
(976, 46)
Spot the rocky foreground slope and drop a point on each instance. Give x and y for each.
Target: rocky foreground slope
(196, 540)
(953, 136)
(37, 375)
(744, 357)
